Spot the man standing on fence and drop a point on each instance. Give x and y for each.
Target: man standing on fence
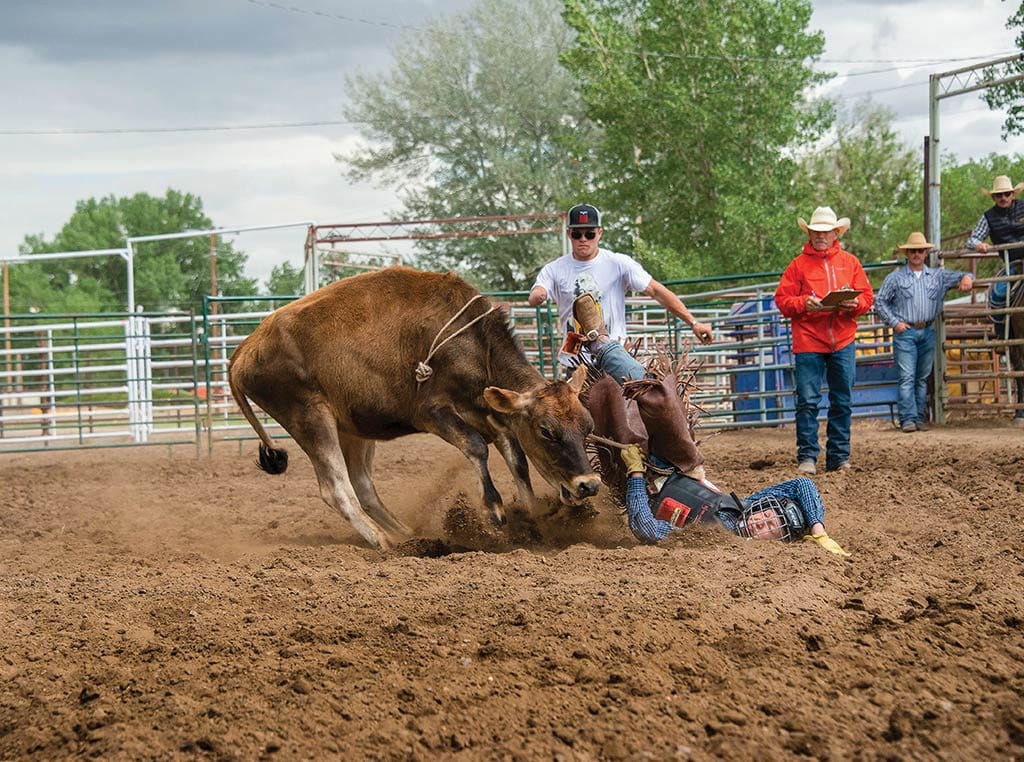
(604, 274)
(812, 293)
(909, 301)
(1003, 223)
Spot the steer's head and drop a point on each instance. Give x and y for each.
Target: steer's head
(551, 424)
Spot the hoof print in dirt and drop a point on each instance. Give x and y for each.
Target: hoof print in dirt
(901, 725)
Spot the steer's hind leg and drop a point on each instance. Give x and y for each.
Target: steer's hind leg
(448, 425)
(315, 430)
(359, 459)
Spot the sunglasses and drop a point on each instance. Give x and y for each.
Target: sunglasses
(576, 235)
(1002, 195)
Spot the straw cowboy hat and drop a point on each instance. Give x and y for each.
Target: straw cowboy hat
(916, 241)
(824, 220)
(1002, 184)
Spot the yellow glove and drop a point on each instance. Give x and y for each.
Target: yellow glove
(633, 459)
(828, 544)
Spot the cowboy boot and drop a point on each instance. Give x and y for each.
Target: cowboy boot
(668, 425)
(587, 314)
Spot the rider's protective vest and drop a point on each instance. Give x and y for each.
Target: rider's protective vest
(684, 500)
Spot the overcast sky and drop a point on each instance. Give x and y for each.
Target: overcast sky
(110, 64)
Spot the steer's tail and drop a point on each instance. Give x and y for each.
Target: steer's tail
(273, 460)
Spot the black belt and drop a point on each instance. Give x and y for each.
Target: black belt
(921, 324)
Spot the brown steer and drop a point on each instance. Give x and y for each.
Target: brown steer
(337, 370)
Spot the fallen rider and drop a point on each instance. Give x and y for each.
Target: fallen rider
(676, 492)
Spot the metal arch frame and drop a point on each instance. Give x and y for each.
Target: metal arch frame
(482, 226)
(308, 224)
(942, 85)
(124, 254)
(314, 238)
(128, 253)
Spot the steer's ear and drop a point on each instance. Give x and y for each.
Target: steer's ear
(579, 377)
(504, 400)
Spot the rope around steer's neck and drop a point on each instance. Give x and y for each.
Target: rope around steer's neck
(423, 369)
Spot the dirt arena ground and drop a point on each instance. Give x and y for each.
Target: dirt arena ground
(156, 606)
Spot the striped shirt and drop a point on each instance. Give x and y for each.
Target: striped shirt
(905, 297)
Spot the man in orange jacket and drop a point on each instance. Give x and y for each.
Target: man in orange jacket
(823, 317)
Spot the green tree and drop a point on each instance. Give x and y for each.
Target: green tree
(1010, 96)
(961, 197)
(963, 202)
(33, 289)
(702, 107)
(168, 274)
(285, 280)
(478, 118)
(865, 171)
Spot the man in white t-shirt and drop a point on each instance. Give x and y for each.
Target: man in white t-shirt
(604, 274)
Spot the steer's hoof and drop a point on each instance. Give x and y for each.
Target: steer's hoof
(498, 518)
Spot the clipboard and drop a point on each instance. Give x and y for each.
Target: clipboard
(835, 298)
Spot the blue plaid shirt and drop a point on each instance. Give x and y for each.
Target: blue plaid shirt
(646, 528)
(905, 297)
(979, 234)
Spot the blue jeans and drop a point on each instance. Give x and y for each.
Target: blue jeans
(915, 353)
(839, 369)
(618, 363)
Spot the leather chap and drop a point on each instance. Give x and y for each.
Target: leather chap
(615, 418)
(665, 418)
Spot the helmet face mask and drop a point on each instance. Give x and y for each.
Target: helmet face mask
(770, 518)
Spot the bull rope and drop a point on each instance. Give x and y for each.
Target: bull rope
(423, 369)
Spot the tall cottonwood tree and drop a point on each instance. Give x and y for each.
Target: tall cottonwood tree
(702, 107)
(865, 171)
(477, 117)
(1011, 96)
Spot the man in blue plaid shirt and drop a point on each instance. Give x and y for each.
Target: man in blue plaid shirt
(789, 510)
(909, 301)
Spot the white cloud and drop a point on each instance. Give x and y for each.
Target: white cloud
(923, 31)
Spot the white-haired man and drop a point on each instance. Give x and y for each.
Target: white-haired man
(823, 335)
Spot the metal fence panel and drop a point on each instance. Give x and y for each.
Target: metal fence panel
(98, 380)
(115, 380)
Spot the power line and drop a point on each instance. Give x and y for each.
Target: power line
(327, 123)
(661, 54)
(337, 16)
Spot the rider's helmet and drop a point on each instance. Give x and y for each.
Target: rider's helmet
(771, 518)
